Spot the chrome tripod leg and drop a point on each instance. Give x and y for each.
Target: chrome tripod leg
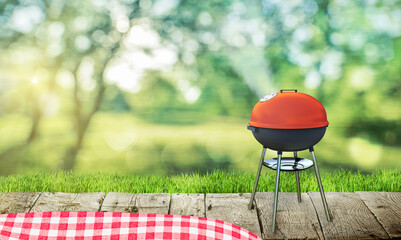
(319, 182)
(298, 185)
(276, 191)
(255, 186)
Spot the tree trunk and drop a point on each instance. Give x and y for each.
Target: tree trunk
(82, 124)
(36, 117)
(37, 108)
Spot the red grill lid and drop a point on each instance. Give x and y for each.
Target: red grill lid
(288, 110)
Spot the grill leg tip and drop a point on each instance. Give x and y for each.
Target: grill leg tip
(329, 218)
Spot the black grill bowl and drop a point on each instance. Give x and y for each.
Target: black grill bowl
(288, 139)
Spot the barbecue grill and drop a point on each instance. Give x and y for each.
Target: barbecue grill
(288, 121)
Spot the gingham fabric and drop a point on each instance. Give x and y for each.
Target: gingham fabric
(110, 225)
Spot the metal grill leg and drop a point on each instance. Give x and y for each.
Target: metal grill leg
(276, 191)
(319, 182)
(255, 186)
(298, 185)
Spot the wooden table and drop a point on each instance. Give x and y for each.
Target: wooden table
(359, 215)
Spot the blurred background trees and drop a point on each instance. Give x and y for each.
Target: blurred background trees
(167, 86)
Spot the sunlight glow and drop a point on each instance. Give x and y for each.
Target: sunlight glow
(65, 78)
(191, 45)
(56, 30)
(51, 103)
(191, 93)
(207, 37)
(303, 34)
(188, 58)
(85, 74)
(364, 153)
(330, 66)
(120, 141)
(81, 23)
(54, 49)
(122, 25)
(24, 19)
(129, 67)
(142, 36)
(361, 79)
(205, 18)
(313, 79)
(299, 57)
(121, 74)
(163, 7)
(82, 43)
(34, 80)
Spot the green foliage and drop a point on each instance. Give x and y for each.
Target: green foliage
(221, 96)
(115, 101)
(213, 182)
(186, 77)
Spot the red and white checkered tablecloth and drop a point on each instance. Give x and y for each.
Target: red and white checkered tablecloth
(115, 225)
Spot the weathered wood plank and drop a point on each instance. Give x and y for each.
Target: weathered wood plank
(351, 219)
(68, 202)
(294, 220)
(157, 203)
(17, 202)
(233, 208)
(188, 204)
(386, 206)
(119, 202)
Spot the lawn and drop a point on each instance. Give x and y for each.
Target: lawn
(125, 144)
(213, 182)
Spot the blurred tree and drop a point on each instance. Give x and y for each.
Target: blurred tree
(206, 78)
(13, 35)
(76, 38)
(183, 61)
(96, 45)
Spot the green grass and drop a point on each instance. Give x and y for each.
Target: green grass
(214, 182)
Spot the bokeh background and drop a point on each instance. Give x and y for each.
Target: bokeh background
(167, 86)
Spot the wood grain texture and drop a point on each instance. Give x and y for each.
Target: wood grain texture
(59, 201)
(386, 206)
(157, 203)
(119, 202)
(351, 219)
(294, 220)
(188, 204)
(233, 208)
(17, 202)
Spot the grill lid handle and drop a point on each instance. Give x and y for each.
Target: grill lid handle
(288, 90)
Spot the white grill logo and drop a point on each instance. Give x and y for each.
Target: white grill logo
(268, 97)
